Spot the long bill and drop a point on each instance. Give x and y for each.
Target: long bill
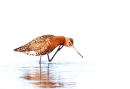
(76, 51)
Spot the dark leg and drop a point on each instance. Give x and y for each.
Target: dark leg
(40, 60)
(48, 57)
(59, 48)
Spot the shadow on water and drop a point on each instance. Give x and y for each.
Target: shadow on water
(48, 76)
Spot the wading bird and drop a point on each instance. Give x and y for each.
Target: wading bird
(45, 44)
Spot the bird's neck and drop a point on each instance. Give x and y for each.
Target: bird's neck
(61, 39)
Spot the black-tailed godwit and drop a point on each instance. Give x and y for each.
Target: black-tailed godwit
(45, 44)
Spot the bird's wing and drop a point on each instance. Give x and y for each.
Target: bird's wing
(41, 44)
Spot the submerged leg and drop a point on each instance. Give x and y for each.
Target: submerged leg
(59, 48)
(40, 60)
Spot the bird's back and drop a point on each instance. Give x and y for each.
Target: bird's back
(38, 46)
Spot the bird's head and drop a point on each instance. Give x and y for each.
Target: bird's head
(69, 43)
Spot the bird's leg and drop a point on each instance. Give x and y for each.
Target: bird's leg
(59, 48)
(40, 59)
(48, 57)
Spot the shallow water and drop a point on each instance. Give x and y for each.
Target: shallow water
(32, 75)
(51, 75)
(65, 74)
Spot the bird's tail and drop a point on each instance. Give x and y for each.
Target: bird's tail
(21, 49)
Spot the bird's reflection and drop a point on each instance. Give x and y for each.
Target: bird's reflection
(46, 77)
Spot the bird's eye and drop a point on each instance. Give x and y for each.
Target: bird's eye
(70, 43)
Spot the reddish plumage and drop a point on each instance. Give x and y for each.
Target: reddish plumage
(45, 44)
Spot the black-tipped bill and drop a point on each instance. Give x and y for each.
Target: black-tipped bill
(76, 51)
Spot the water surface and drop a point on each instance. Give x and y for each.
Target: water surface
(27, 73)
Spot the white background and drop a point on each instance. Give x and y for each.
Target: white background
(100, 29)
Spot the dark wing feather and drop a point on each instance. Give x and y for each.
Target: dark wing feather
(40, 45)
